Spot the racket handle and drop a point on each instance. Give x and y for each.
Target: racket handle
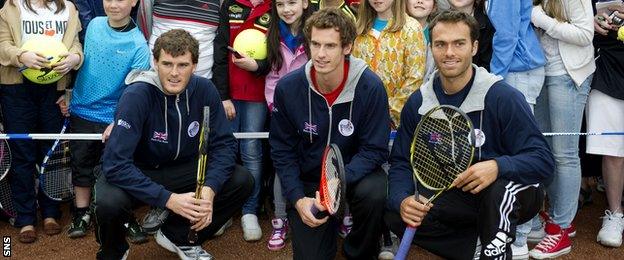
(192, 236)
(406, 242)
(318, 214)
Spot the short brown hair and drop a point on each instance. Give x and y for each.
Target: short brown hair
(176, 42)
(453, 16)
(331, 17)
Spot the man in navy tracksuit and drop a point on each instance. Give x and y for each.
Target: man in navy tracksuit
(332, 99)
(503, 188)
(152, 155)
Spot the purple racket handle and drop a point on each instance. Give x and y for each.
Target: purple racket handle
(406, 242)
(314, 210)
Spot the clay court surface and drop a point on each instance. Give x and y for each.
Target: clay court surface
(232, 246)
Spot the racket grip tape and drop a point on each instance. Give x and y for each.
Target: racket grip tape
(318, 214)
(406, 242)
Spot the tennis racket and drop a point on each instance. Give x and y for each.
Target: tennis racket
(201, 163)
(333, 184)
(442, 148)
(6, 200)
(55, 174)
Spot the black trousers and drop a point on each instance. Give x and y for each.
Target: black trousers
(113, 208)
(452, 226)
(366, 200)
(85, 154)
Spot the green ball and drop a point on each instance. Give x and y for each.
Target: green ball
(49, 47)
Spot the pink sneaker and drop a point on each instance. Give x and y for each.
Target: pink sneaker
(345, 227)
(555, 243)
(279, 234)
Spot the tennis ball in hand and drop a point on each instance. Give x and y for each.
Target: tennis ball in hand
(621, 34)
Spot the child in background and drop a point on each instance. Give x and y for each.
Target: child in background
(29, 107)
(286, 52)
(392, 44)
(423, 11)
(114, 44)
(241, 83)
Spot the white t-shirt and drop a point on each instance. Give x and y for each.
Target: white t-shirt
(44, 22)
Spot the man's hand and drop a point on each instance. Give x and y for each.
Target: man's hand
(304, 206)
(107, 132)
(63, 106)
(602, 23)
(477, 177)
(230, 111)
(414, 211)
(207, 198)
(245, 63)
(190, 208)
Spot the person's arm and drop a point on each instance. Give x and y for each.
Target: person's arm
(400, 175)
(284, 140)
(578, 31)
(220, 72)
(76, 46)
(118, 159)
(373, 133)
(9, 53)
(221, 155)
(414, 58)
(530, 160)
(505, 17)
(86, 14)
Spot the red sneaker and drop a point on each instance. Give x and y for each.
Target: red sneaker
(556, 243)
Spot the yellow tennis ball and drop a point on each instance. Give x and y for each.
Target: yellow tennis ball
(252, 43)
(621, 34)
(50, 48)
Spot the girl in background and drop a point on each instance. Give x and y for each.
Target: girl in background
(29, 107)
(423, 11)
(565, 30)
(286, 52)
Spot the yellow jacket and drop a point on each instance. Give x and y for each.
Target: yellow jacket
(398, 58)
(11, 42)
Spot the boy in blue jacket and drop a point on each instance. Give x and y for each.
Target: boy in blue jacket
(151, 156)
(503, 188)
(332, 99)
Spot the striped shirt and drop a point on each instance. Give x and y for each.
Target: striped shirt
(200, 11)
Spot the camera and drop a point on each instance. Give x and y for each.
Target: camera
(617, 21)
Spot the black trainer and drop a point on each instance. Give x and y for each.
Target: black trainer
(135, 233)
(79, 226)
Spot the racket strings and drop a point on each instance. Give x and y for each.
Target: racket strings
(6, 199)
(57, 179)
(5, 159)
(442, 149)
(331, 185)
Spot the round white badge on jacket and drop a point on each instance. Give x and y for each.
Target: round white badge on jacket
(193, 129)
(479, 137)
(345, 127)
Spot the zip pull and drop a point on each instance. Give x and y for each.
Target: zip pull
(177, 98)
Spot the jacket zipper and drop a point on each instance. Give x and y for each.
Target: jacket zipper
(179, 125)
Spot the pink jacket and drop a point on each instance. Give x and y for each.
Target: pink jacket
(292, 61)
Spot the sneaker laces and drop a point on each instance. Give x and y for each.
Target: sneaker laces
(153, 215)
(278, 231)
(610, 220)
(548, 242)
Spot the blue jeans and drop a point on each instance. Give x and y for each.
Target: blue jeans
(560, 108)
(250, 117)
(528, 82)
(30, 108)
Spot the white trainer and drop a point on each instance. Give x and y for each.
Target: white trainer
(251, 228)
(519, 252)
(184, 252)
(611, 232)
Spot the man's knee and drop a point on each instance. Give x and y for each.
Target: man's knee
(110, 205)
(242, 180)
(372, 189)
